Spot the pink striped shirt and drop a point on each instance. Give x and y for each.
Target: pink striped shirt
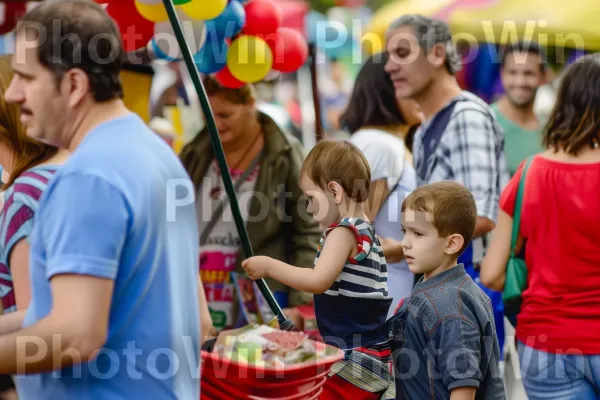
(21, 201)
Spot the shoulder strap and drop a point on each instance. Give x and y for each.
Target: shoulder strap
(221, 207)
(431, 138)
(518, 206)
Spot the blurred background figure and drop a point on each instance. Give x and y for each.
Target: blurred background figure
(163, 128)
(378, 127)
(335, 97)
(523, 71)
(280, 109)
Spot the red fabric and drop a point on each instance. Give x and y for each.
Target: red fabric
(337, 388)
(559, 220)
(399, 305)
(375, 353)
(12, 13)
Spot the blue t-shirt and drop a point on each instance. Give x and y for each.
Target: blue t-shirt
(120, 209)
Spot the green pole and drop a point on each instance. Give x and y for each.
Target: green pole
(284, 323)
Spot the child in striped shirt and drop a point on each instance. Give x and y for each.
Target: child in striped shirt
(349, 278)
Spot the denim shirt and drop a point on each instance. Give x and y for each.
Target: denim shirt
(443, 337)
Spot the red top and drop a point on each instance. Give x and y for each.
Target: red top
(560, 221)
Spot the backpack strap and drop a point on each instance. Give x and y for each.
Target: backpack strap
(431, 137)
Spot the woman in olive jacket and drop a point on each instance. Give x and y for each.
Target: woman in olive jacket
(268, 161)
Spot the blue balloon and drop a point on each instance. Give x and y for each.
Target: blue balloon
(312, 21)
(229, 23)
(212, 57)
(159, 53)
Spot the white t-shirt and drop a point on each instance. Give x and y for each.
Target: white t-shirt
(386, 156)
(384, 152)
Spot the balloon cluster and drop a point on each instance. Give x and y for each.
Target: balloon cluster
(239, 41)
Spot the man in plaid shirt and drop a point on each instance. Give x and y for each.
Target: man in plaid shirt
(460, 139)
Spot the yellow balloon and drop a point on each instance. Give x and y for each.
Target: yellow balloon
(204, 9)
(152, 12)
(249, 59)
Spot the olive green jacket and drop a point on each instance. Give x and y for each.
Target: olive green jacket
(287, 232)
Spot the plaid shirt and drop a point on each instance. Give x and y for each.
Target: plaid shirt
(471, 152)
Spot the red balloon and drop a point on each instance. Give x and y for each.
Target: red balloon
(289, 48)
(12, 13)
(263, 17)
(226, 79)
(136, 31)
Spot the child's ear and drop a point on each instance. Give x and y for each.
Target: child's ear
(336, 190)
(455, 243)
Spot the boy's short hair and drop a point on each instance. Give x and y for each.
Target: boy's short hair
(452, 206)
(341, 162)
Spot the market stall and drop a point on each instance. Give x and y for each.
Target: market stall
(383, 17)
(553, 23)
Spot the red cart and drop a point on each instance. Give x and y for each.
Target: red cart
(225, 379)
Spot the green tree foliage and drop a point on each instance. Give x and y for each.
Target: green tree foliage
(321, 5)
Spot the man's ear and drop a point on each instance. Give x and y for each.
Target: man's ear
(336, 190)
(437, 55)
(76, 84)
(455, 243)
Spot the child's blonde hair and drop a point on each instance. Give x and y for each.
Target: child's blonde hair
(341, 162)
(450, 204)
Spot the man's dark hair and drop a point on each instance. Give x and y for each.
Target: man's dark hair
(524, 46)
(77, 34)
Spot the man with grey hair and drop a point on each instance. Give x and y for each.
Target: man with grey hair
(460, 141)
(469, 146)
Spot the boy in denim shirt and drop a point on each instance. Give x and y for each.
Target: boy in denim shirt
(443, 336)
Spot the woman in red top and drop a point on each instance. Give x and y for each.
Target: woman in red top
(558, 329)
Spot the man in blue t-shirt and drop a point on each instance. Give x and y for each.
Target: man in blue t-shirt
(114, 311)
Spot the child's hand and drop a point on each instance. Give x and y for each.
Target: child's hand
(257, 267)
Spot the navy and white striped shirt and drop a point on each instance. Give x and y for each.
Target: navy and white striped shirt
(353, 311)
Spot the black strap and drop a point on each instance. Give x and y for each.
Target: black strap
(219, 210)
(431, 138)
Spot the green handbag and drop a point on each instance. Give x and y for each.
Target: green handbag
(516, 270)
